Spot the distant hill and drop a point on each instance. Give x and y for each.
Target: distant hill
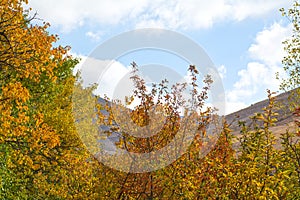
(285, 117)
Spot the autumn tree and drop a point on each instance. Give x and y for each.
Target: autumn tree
(290, 139)
(41, 154)
(258, 170)
(152, 125)
(51, 128)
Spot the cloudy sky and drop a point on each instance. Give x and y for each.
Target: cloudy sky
(242, 37)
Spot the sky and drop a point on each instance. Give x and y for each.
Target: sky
(243, 38)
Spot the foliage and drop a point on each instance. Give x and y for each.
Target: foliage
(40, 149)
(43, 156)
(291, 61)
(159, 110)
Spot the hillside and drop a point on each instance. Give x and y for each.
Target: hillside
(285, 117)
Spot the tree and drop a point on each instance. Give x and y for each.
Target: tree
(41, 154)
(259, 172)
(291, 61)
(138, 180)
(290, 139)
(49, 150)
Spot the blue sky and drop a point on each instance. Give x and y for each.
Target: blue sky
(242, 37)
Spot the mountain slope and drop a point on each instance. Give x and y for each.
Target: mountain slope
(285, 116)
(285, 119)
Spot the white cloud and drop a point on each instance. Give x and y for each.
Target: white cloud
(69, 14)
(115, 82)
(267, 47)
(96, 36)
(242, 9)
(177, 14)
(106, 73)
(259, 75)
(188, 14)
(232, 106)
(222, 71)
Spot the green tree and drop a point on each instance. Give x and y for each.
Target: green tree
(291, 61)
(259, 172)
(290, 139)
